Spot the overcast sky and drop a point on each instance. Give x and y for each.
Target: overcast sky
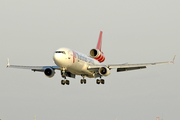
(134, 31)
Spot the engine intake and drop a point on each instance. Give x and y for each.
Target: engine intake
(98, 55)
(104, 71)
(49, 72)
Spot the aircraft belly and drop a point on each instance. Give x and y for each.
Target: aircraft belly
(80, 68)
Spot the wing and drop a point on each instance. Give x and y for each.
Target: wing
(127, 67)
(33, 68)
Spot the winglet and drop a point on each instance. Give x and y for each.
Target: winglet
(173, 59)
(8, 64)
(99, 44)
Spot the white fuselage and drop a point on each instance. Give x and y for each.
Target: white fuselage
(75, 62)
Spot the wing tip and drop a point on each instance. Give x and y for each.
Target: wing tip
(173, 59)
(8, 64)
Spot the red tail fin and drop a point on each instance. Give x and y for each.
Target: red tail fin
(97, 53)
(99, 44)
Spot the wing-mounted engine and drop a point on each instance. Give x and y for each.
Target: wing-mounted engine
(49, 72)
(97, 54)
(104, 71)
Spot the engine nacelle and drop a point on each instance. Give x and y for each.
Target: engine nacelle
(49, 72)
(98, 55)
(104, 71)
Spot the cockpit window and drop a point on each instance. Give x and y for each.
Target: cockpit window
(60, 52)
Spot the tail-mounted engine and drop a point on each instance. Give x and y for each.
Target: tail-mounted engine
(97, 54)
(104, 71)
(49, 72)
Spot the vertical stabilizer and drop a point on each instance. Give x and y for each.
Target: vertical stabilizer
(99, 44)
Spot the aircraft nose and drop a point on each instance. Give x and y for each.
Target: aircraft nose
(59, 59)
(56, 57)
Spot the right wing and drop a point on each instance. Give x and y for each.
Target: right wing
(33, 68)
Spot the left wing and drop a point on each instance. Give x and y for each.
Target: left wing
(127, 67)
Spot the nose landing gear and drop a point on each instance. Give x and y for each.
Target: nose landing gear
(65, 81)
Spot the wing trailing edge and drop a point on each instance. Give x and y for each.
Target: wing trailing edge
(131, 68)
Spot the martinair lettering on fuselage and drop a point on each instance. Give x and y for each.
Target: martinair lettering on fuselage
(85, 59)
(74, 56)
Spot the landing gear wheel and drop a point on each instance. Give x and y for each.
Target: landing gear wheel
(102, 81)
(81, 81)
(62, 82)
(67, 82)
(98, 81)
(84, 81)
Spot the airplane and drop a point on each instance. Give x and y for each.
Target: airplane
(71, 63)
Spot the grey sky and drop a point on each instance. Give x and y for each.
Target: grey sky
(134, 31)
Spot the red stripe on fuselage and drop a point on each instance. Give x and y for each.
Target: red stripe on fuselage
(74, 56)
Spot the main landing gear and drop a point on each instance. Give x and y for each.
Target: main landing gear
(63, 82)
(98, 81)
(83, 80)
